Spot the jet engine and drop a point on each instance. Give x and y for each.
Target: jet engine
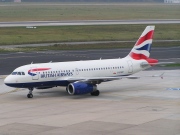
(81, 88)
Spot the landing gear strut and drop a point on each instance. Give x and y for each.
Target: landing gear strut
(95, 93)
(30, 95)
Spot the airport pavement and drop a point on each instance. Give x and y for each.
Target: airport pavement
(145, 106)
(10, 61)
(87, 22)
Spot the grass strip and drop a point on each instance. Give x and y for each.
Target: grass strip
(64, 11)
(172, 65)
(84, 46)
(55, 34)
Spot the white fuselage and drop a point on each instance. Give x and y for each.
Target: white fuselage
(62, 71)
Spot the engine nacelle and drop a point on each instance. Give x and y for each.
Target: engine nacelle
(80, 88)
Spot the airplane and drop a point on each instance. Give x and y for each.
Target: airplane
(82, 77)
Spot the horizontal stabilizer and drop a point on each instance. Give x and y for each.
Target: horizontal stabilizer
(159, 63)
(161, 75)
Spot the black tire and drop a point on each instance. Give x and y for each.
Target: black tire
(95, 93)
(30, 95)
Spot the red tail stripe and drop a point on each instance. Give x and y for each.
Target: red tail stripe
(151, 61)
(138, 56)
(142, 56)
(148, 36)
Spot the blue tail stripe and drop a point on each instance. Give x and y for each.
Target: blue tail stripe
(146, 47)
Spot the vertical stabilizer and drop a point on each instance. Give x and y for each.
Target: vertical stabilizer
(141, 49)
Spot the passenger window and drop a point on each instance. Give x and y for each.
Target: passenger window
(23, 73)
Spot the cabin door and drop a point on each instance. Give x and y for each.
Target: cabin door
(130, 65)
(77, 71)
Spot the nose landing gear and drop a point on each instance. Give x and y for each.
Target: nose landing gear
(30, 95)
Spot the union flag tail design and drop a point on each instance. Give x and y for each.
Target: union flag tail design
(142, 48)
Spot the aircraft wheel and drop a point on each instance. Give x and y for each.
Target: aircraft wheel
(30, 95)
(95, 93)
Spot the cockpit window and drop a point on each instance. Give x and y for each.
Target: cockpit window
(19, 73)
(14, 73)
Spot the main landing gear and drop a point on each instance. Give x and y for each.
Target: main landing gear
(30, 95)
(95, 93)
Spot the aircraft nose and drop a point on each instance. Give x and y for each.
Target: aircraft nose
(7, 80)
(11, 81)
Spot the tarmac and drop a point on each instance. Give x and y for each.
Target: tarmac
(145, 106)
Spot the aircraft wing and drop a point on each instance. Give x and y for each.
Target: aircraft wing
(96, 80)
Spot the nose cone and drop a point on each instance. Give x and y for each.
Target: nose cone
(8, 80)
(12, 82)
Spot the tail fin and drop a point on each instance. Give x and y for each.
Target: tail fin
(141, 49)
